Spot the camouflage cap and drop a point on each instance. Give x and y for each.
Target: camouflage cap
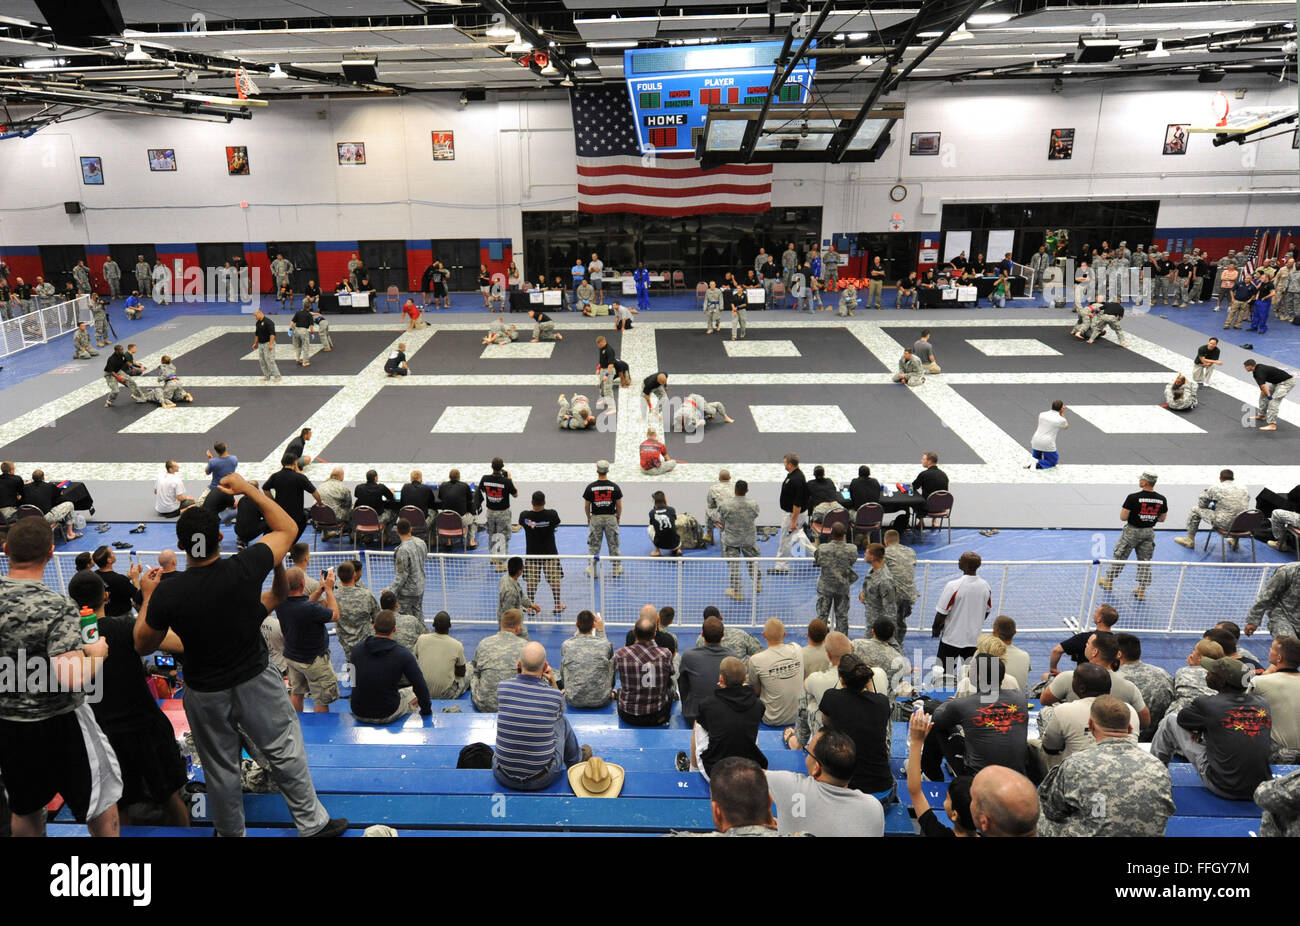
(1234, 672)
(1149, 477)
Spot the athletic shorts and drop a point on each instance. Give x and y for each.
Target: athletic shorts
(67, 755)
(151, 765)
(440, 289)
(315, 678)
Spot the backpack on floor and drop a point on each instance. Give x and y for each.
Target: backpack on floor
(690, 532)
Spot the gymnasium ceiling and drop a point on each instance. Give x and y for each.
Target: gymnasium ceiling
(444, 45)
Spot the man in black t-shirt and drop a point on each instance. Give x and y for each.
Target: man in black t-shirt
(374, 494)
(1207, 358)
(264, 344)
(494, 492)
(1104, 618)
(298, 447)
(216, 608)
(864, 489)
(300, 329)
(655, 386)
(454, 495)
(608, 366)
(602, 503)
(539, 526)
(990, 727)
(1234, 727)
(1274, 385)
(545, 327)
(1107, 315)
(287, 487)
(122, 591)
(11, 491)
(142, 737)
(416, 494)
(1142, 511)
(794, 502)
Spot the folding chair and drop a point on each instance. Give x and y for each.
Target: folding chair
(868, 519)
(700, 290)
(366, 523)
(1243, 525)
(419, 523)
(392, 297)
(449, 527)
(323, 518)
(938, 507)
(822, 529)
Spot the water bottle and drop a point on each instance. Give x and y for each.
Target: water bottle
(89, 627)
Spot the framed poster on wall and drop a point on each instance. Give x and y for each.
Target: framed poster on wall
(352, 153)
(1060, 146)
(444, 146)
(92, 171)
(925, 143)
(237, 160)
(162, 159)
(1176, 138)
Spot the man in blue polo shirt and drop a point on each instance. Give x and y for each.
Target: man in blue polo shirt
(535, 743)
(220, 464)
(578, 272)
(306, 644)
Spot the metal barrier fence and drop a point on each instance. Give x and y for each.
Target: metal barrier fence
(1180, 597)
(42, 325)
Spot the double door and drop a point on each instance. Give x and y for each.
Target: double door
(385, 262)
(302, 254)
(460, 256)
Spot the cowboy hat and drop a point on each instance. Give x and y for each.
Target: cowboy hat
(596, 778)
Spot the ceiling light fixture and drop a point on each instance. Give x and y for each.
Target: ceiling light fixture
(961, 35)
(137, 54)
(619, 44)
(989, 19)
(277, 72)
(518, 46)
(582, 62)
(500, 30)
(1159, 50)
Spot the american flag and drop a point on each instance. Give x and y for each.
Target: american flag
(1250, 254)
(615, 176)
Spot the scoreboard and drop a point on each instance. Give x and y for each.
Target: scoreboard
(671, 89)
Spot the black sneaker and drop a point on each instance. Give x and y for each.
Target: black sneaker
(683, 762)
(336, 827)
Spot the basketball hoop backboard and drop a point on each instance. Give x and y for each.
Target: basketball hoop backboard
(1240, 119)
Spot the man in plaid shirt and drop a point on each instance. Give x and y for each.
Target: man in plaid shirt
(645, 679)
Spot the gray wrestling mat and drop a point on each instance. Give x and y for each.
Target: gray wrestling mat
(818, 385)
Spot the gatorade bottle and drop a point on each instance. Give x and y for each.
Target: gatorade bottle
(89, 627)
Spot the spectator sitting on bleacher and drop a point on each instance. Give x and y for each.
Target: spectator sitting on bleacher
(1236, 650)
(740, 799)
(821, 803)
(338, 498)
(956, 804)
(1189, 681)
(1279, 798)
(993, 646)
(776, 675)
(645, 678)
(386, 680)
(511, 596)
(587, 664)
(1104, 618)
(1101, 650)
(415, 494)
(442, 660)
(814, 651)
(357, 609)
(727, 723)
(409, 627)
(663, 618)
(990, 727)
(817, 684)
(306, 643)
(1004, 803)
(495, 660)
(1113, 787)
(455, 496)
(863, 715)
(698, 674)
(1067, 730)
(741, 643)
(879, 653)
(1156, 685)
(374, 494)
(1231, 753)
(535, 743)
(1017, 660)
(142, 738)
(1279, 685)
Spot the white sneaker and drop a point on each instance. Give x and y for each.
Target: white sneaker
(1275, 544)
(1185, 542)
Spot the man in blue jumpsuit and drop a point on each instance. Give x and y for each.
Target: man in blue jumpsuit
(641, 276)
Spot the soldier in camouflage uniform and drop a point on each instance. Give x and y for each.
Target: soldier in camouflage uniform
(695, 410)
(789, 262)
(901, 561)
(719, 492)
(81, 349)
(99, 316)
(409, 627)
(835, 559)
(1281, 601)
(113, 277)
(713, 308)
(81, 276)
(408, 571)
(143, 275)
(1281, 522)
(1084, 323)
(575, 414)
(878, 588)
(1155, 683)
(1142, 511)
(910, 370)
(49, 740)
(587, 664)
(1279, 798)
(496, 660)
(883, 655)
(1114, 788)
(739, 537)
(169, 390)
(280, 270)
(1180, 396)
(1219, 504)
(848, 300)
(116, 375)
(1108, 315)
(42, 293)
(501, 333)
(740, 642)
(511, 594)
(357, 610)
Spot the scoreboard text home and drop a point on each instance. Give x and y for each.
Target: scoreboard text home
(671, 89)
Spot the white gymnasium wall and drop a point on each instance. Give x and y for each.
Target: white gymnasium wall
(517, 154)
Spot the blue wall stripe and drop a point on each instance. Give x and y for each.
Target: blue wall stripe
(176, 249)
(254, 247)
(20, 251)
(424, 244)
(336, 245)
